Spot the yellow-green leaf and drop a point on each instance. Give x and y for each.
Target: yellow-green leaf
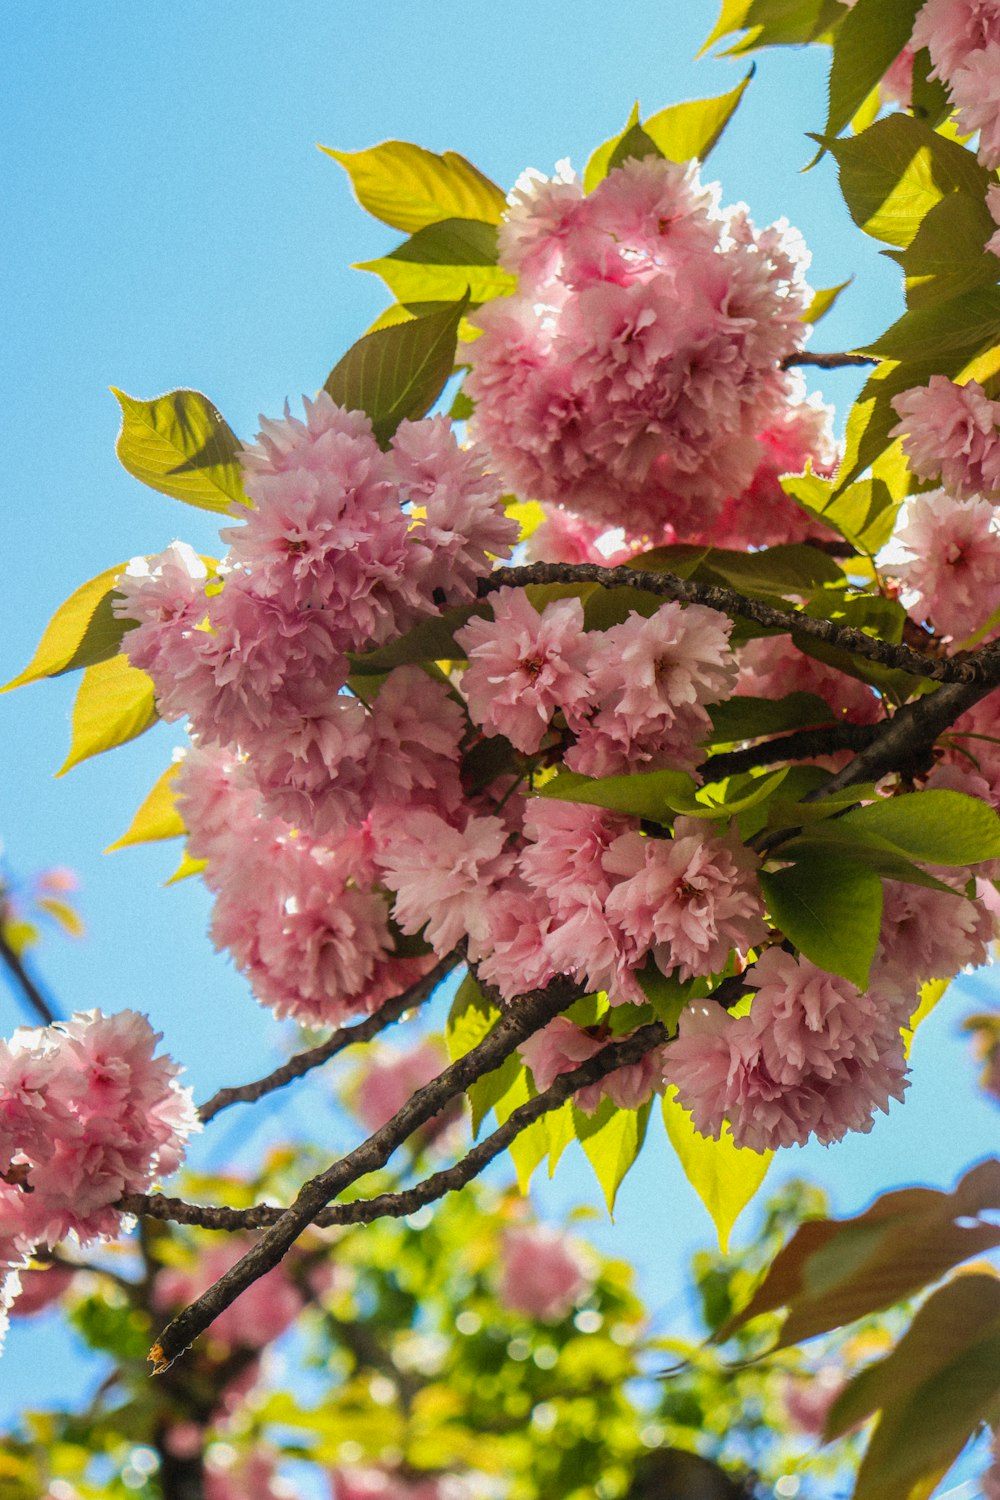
(157, 816)
(115, 703)
(68, 918)
(81, 632)
(689, 131)
(406, 186)
(181, 445)
(186, 868)
(611, 1139)
(823, 300)
(724, 1176)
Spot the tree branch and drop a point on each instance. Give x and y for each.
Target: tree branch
(827, 361)
(973, 667)
(346, 1036)
(24, 982)
(396, 1205)
(518, 1022)
(802, 745)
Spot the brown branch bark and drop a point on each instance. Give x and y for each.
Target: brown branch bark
(804, 744)
(22, 979)
(408, 1200)
(346, 1036)
(828, 361)
(981, 666)
(518, 1022)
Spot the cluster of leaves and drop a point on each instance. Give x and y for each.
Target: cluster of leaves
(408, 1358)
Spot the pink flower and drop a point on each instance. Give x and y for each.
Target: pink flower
(975, 90)
(115, 1120)
(565, 537)
(568, 844)
(952, 432)
(808, 1401)
(690, 899)
(896, 83)
(463, 526)
(649, 679)
(772, 667)
(237, 1477)
(993, 204)
(443, 877)
(952, 29)
(39, 1289)
(628, 374)
(524, 665)
(951, 561)
(929, 934)
(562, 1046)
(542, 1273)
(519, 959)
(813, 1057)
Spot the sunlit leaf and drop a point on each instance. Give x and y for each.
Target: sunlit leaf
(157, 816)
(868, 40)
(406, 186)
(114, 703)
(82, 632)
(689, 131)
(824, 300)
(180, 445)
(724, 1176)
(442, 261)
(611, 1138)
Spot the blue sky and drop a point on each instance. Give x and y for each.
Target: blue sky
(169, 223)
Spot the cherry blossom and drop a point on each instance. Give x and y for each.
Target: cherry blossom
(951, 561)
(952, 432)
(543, 1274)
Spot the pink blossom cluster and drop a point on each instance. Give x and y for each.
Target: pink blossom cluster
(952, 432)
(950, 561)
(814, 1056)
(345, 547)
(87, 1113)
(232, 1476)
(630, 374)
(633, 696)
(543, 1273)
(963, 38)
(299, 916)
(597, 899)
(390, 1077)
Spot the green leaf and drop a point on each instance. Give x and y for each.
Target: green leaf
(408, 187)
(440, 262)
(878, 855)
(864, 514)
(724, 1176)
(893, 174)
(750, 718)
(432, 640)
(936, 827)
(946, 257)
(82, 631)
(180, 445)
(665, 993)
(790, 568)
(775, 23)
(934, 1388)
(599, 165)
(398, 373)
(954, 329)
(470, 1019)
(611, 1139)
(869, 39)
(830, 907)
(655, 795)
(157, 816)
(824, 300)
(633, 146)
(689, 131)
(115, 703)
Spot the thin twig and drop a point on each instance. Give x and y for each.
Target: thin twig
(518, 1022)
(827, 361)
(24, 982)
(346, 1036)
(972, 667)
(395, 1205)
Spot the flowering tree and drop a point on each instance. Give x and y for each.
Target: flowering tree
(667, 722)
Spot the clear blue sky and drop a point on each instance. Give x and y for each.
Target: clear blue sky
(169, 222)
